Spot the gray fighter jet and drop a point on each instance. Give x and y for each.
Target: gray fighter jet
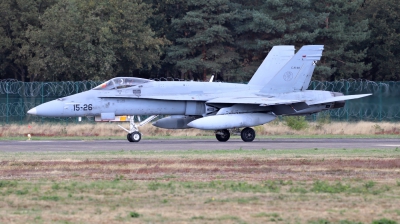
(279, 87)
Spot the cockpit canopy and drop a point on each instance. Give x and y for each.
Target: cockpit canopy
(120, 83)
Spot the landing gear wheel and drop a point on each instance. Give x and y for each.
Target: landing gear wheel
(223, 135)
(129, 137)
(248, 134)
(134, 136)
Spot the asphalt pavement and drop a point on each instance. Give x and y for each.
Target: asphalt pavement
(206, 144)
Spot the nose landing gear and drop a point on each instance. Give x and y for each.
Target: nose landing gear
(134, 136)
(133, 133)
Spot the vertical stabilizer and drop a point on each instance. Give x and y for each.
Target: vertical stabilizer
(275, 60)
(296, 74)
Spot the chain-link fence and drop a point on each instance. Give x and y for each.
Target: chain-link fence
(383, 105)
(16, 98)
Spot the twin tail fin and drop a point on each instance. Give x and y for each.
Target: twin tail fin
(296, 74)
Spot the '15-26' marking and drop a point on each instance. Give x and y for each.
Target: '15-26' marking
(85, 107)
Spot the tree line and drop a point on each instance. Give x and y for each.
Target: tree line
(58, 40)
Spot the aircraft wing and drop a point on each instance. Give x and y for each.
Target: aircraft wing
(262, 101)
(337, 98)
(267, 101)
(211, 98)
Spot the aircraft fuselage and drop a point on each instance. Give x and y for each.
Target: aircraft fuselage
(277, 88)
(139, 100)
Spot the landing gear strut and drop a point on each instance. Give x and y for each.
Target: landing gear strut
(133, 133)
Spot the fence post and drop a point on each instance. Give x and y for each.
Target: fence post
(22, 110)
(77, 91)
(42, 91)
(7, 106)
(313, 88)
(380, 101)
(42, 98)
(346, 105)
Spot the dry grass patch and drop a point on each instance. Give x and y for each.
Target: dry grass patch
(191, 169)
(273, 128)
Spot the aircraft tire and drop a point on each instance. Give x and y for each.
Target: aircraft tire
(224, 137)
(248, 134)
(129, 137)
(136, 136)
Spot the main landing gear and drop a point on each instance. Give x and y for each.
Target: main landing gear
(247, 134)
(133, 133)
(222, 135)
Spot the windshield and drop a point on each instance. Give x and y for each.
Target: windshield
(120, 83)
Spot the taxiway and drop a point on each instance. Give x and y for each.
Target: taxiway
(206, 144)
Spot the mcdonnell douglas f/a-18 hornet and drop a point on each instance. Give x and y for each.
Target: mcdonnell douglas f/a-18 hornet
(279, 87)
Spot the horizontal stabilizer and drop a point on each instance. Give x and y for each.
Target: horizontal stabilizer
(338, 98)
(300, 106)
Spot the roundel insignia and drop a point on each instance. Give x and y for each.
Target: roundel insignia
(288, 76)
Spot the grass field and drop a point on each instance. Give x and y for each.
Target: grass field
(222, 186)
(274, 129)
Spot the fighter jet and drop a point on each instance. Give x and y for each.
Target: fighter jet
(279, 87)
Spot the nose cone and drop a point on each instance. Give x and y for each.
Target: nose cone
(32, 111)
(50, 109)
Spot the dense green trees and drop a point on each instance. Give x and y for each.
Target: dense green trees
(16, 16)
(205, 39)
(99, 39)
(342, 34)
(263, 24)
(384, 43)
(93, 39)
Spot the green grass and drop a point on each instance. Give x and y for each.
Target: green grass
(247, 200)
(134, 214)
(123, 200)
(233, 186)
(286, 153)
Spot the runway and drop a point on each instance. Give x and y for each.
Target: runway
(207, 144)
